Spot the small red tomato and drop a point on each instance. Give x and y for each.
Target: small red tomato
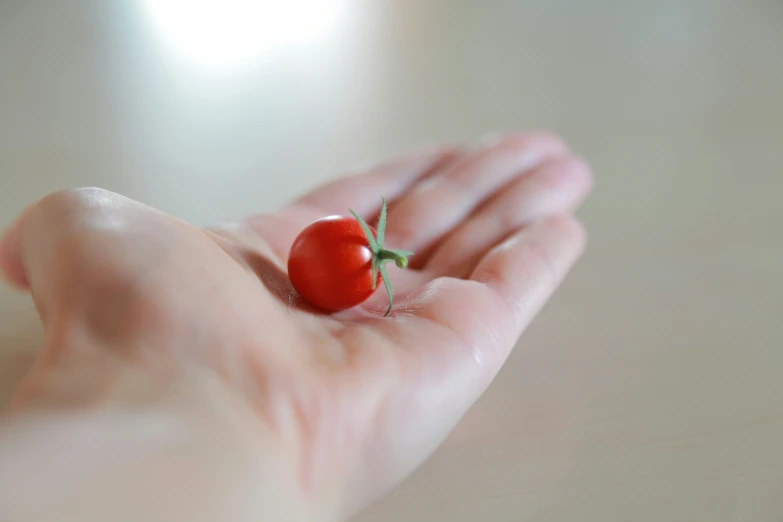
(336, 262)
(330, 264)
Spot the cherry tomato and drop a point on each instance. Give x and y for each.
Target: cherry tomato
(337, 262)
(330, 264)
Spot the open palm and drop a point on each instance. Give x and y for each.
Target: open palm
(356, 399)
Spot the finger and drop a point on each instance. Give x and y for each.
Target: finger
(527, 268)
(431, 209)
(509, 286)
(65, 249)
(119, 268)
(363, 191)
(553, 188)
(69, 237)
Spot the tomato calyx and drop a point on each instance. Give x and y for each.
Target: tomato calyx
(381, 255)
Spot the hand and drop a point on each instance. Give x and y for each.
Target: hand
(350, 403)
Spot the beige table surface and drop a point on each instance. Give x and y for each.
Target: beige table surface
(651, 387)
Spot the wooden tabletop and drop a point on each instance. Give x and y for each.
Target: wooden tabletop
(651, 386)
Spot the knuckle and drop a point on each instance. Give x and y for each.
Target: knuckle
(577, 170)
(74, 198)
(63, 207)
(543, 258)
(526, 140)
(566, 173)
(540, 260)
(76, 245)
(571, 228)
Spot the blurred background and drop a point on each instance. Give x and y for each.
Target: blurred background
(650, 387)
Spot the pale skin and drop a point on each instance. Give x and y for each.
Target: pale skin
(183, 379)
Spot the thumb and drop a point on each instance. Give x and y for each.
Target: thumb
(84, 250)
(88, 258)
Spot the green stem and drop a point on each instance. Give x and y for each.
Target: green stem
(380, 255)
(400, 259)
